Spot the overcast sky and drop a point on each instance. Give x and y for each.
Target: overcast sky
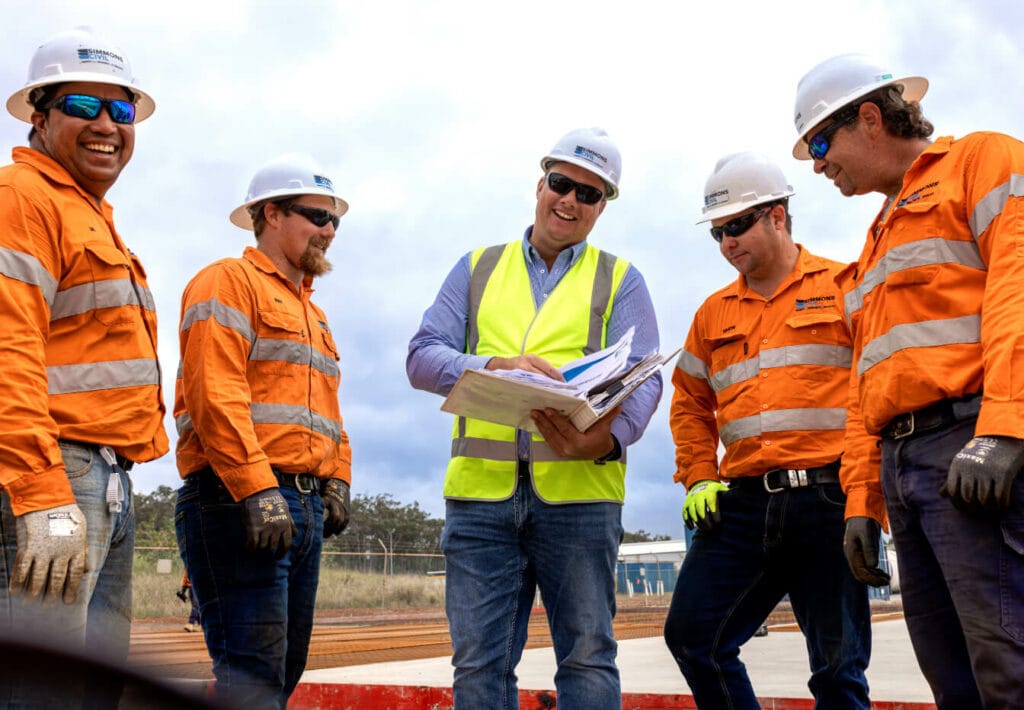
(431, 117)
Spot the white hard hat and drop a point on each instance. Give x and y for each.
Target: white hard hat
(741, 181)
(284, 176)
(593, 150)
(78, 55)
(837, 82)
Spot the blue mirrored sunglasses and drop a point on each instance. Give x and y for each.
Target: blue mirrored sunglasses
(819, 144)
(89, 107)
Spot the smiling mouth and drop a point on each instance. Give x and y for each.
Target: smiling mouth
(100, 147)
(563, 215)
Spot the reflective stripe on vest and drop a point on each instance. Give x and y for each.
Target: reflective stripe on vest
(267, 350)
(814, 419)
(92, 376)
(26, 268)
(484, 455)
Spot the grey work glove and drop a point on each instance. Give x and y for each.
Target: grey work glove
(337, 502)
(52, 553)
(268, 524)
(860, 545)
(981, 475)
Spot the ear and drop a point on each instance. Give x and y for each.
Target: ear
(871, 116)
(273, 214)
(39, 122)
(540, 184)
(600, 208)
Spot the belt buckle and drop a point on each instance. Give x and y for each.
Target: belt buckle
(797, 478)
(305, 483)
(899, 433)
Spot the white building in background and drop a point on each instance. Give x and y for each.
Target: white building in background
(649, 567)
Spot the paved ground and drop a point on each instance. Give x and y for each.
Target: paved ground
(777, 664)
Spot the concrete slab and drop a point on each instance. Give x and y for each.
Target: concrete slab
(777, 664)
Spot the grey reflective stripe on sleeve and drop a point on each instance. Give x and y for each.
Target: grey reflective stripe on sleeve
(484, 449)
(295, 415)
(599, 298)
(99, 294)
(924, 252)
(810, 419)
(92, 376)
(814, 354)
(182, 422)
(26, 268)
(991, 205)
(293, 352)
(932, 333)
(224, 315)
(478, 279)
(693, 366)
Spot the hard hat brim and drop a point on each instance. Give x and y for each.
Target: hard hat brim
(730, 208)
(914, 89)
(240, 216)
(18, 104)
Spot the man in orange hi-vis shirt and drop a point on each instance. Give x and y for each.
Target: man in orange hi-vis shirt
(80, 393)
(765, 369)
(265, 460)
(936, 306)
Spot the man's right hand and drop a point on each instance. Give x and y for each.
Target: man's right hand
(530, 363)
(268, 524)
(860, 545)
(700, 509)
(52, 553)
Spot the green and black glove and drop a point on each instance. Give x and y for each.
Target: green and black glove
(981, 475)
(700, 509)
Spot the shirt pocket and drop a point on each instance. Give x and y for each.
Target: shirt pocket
(820, 347)
(326, 361)
(110, 294)
(728, 352)
(281, 346)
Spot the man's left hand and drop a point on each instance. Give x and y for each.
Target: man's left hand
(567, 441)
(981, 475)
(337, 502)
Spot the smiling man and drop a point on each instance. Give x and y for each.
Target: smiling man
(80, 394)
(765, 370)
(265, 460)
(936, 303)
(527, 512)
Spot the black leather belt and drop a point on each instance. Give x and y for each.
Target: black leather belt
(782, 479)
(302, 482)
(934, 416)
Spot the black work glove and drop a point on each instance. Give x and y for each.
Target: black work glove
(268, 524)
(182, 594)
(982, 473)
(337, 501)
(860, 545)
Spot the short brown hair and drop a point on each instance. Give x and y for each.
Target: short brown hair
(903, 119)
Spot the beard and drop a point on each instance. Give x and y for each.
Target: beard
(314, 263)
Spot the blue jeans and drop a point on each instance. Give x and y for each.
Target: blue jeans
(99, 622)
(256, 612)
(497, 554)
(768, 545)
(961, 576)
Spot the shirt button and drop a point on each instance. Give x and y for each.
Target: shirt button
(765, 341)
(764, 374)
(764, 406)
(767, 443)
(814, 331)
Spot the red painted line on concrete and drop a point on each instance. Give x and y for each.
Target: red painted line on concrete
(339, 696)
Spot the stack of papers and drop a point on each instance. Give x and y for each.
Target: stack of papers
(593, 385)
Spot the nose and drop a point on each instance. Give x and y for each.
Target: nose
(103, 123)
(819, 165)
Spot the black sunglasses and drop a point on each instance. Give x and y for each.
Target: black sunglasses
(739, 226)
(585, 194)
(89, 107)
(820, 142)
(316, 215)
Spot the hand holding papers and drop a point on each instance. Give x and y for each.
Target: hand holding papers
(594, 384)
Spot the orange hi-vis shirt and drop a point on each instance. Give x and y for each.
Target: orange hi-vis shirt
(936, 300)
(79, 350)
(767, 376)
(258, 383)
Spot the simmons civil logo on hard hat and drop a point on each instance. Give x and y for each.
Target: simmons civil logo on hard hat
(588, 154)
(324, 182)
(102, 56)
